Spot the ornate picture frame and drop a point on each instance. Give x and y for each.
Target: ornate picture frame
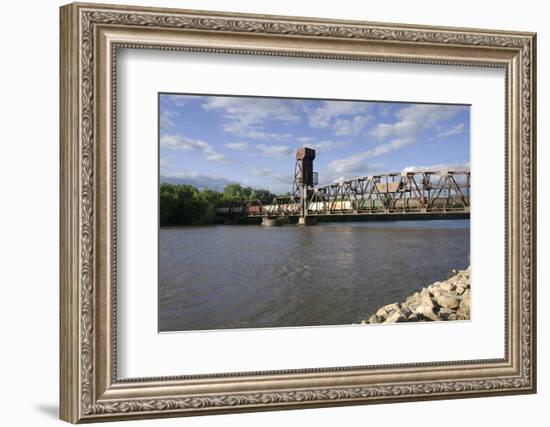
(90, 37)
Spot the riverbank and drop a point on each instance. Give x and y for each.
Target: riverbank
(445, 300)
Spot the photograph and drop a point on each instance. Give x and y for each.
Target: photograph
(292, 212)
(268, 209)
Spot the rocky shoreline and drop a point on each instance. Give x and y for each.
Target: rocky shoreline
(445, 300)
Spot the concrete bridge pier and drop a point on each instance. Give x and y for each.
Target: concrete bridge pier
(273, 221)
(307, 220)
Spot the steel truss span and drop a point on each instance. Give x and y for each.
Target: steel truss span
(433, 193)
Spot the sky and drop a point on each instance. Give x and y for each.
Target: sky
(211, 141)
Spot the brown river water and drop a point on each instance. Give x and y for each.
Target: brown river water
(220, 277)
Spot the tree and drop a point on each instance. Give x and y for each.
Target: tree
(233, 191)
(263, 195)
(182, 204)
(211, 200)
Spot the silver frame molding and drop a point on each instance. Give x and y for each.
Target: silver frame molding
(90, 37)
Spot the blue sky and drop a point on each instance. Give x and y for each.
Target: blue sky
(210, 141)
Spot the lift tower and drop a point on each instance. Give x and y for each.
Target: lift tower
(304, 181)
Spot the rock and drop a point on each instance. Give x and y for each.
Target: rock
(426, 308)
(412, 301)
(446, 286)
(386, 311)
(382, 314)
(447, 314)
(390, 308)
(424, 295)
(446, 298)
(414, 317)
(396, 316)
(373, 319)
(434, 285)
(463, 312)
(406, 311)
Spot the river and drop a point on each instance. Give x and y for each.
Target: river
(219, 277)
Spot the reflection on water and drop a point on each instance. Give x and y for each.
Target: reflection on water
(220, 277)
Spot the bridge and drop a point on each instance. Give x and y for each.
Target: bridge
(429, 194)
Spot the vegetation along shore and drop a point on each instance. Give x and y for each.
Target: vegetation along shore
(446, 300)
(182, 204)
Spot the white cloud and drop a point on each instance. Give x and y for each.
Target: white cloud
(165, 162)
(246, 117)
(384, 110)
(443, 167)
(276, 182)
(266, 178)
(252, 131)
(182, 143)
(270, 151)
(252, 110)
(177, 142)
(266, 172)
(322, 116)
(329, 176)
(414, 119)
(455, 130)
(239, 146)
(274, 151)
(200, 181)
(167, 119)
(218, 157)
(354, 126)
(178, 100)
(304, 139)
(327, 145)
(323, 145)
(458, 167)
(283, 151)
(355, 164)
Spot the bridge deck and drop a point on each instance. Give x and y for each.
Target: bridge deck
(462, 212)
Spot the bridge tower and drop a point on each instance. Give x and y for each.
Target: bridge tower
(304, 181)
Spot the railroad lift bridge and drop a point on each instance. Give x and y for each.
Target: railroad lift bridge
(419, 194)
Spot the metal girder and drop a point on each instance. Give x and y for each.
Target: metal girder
(412, 192)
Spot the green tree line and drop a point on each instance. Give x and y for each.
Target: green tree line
(183, 204)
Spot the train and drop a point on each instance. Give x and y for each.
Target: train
(342, 206)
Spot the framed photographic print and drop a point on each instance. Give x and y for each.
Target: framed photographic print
(266, 212)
